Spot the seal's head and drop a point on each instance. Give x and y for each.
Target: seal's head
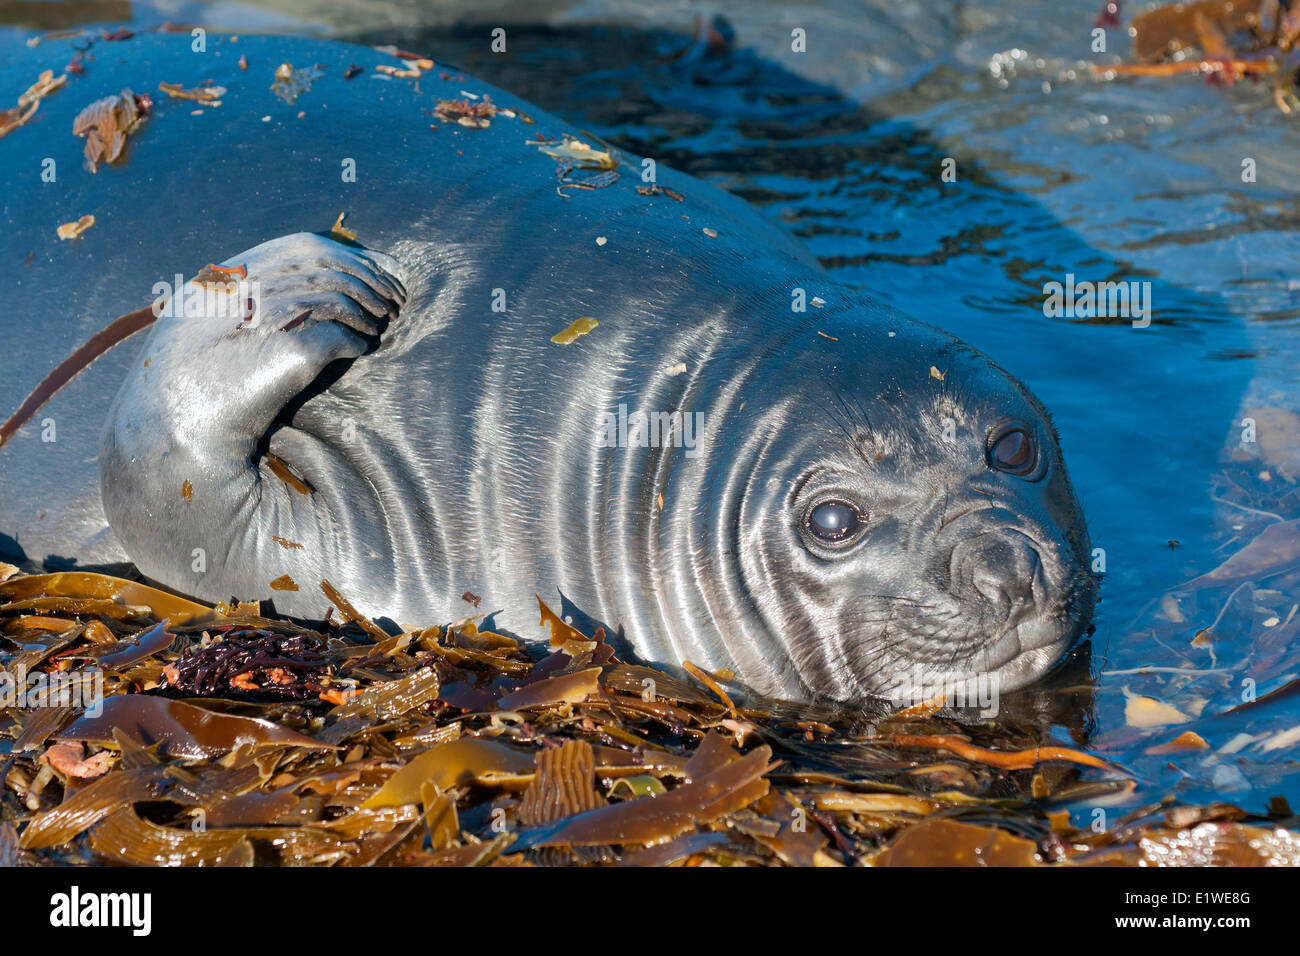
(923, 531)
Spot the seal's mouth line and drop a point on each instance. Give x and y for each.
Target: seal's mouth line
(1029, 665)
(1013, 666)
(1038, 637)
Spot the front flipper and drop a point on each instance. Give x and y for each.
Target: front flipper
(180, 467)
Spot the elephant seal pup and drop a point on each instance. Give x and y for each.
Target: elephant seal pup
(660, 406)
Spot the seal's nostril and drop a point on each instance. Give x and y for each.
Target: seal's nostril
(989, 583)
(1002, 568)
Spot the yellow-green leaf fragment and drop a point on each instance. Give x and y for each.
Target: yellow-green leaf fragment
(643, 785)
(579, 328)
(468, 760)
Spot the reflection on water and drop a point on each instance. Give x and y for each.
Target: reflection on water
(1057, 174)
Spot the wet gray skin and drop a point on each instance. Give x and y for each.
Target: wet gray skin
(870, 505)
(845, 521)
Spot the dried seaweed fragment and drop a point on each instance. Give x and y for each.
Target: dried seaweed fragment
(258, 808)
(466, 112)
(289, 83)
(91, 804)
(581, 155)
(953, 843)
(398, 72)
(561, 689)
(124, 837)
(657, 819)
(16, 116)
(1187, 740)
(351, 614)
(1022, 759)
(342, 231)
(391, 699)
(563, 786)
(421, 61)
(678, 850)
(75, 229)
(470, 759)
(38, 725)
(30, 100)
(133, 649)
(88, 586)
(440, 818)
(180, 729)
(576, 330)
(203, 95)
(784, 828)
(657, 190)
(45, 84)
(106, 123)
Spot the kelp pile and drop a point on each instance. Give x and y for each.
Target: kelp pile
(227, 738)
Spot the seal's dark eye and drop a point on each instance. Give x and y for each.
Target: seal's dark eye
(834, 520)
(1013, 453)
